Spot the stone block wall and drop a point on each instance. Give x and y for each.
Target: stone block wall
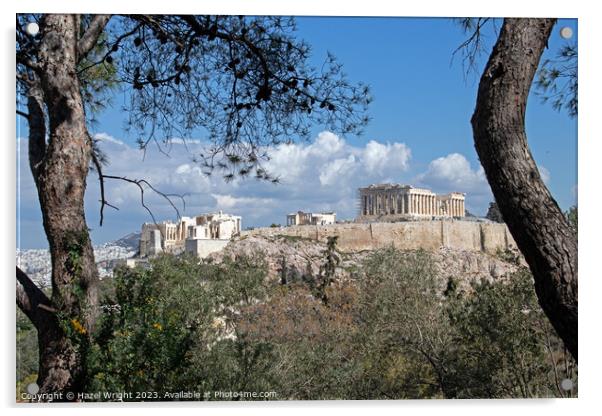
(410, 235)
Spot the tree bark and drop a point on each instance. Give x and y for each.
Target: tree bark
(57, 354)
(60, 168)
(534, 219)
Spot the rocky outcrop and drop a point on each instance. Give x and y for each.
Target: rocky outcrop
(295, 257)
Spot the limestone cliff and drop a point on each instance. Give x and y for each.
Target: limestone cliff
(295, 257)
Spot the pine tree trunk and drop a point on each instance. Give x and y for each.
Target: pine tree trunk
(61, 180)
(535, 221)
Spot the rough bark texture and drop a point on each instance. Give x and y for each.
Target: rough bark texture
(537, 224)
(59, 155)
(57, 354)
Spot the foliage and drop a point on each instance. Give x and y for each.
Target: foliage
(164, 321)
(245, 81)
(557, 80)
(572, 217)
(403, 333)
(493, 213)
(505, 346)
(394, 330)
(26, 349)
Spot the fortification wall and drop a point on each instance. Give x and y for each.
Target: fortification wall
(410, 235)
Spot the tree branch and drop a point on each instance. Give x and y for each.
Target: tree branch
(139, 183)
(90, 37)
(472, 47)
(31, 300)
(23, 60)
(109, 50)
(103, 201)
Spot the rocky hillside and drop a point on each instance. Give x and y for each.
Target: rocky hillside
(298, 256)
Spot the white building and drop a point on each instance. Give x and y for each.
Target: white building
(310, 218)
(387, 200)
(200, 235)
(211, 233)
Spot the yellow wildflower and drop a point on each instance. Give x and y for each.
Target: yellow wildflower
(78, 326)
(158, 326)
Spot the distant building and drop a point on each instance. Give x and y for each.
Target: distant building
(388, 201)
(310, 218)
(200, 235)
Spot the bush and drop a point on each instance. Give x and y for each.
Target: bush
(505, 345)
(164, 321)
(392, 331)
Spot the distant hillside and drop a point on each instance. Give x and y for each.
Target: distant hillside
(36, 262)
(130, 241)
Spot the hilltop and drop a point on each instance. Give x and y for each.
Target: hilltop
(293, 257)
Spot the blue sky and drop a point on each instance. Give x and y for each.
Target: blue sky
(419, 134)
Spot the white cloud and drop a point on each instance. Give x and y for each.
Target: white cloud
(454, 173)
(177, 140)
(338, 168)
(545, 174)
(104, 137)
(320, 175)
(230, 202)
(325, 174)
(575, 192)
(378, 157)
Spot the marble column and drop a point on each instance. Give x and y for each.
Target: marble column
(387, 203)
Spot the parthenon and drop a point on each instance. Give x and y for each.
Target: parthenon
(394, 200)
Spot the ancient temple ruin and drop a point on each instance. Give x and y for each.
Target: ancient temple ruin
(395, 201)
(199, 235)
(311, 218)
